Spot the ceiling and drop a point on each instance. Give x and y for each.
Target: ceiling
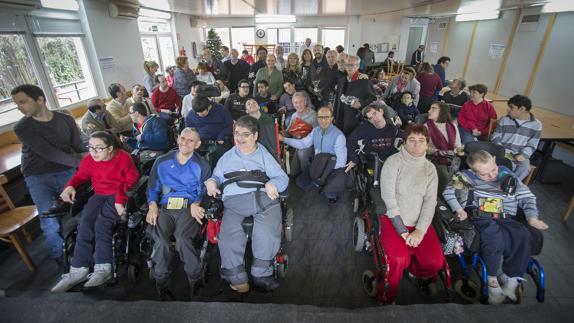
(243, 8)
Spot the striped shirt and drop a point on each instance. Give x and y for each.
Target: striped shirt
(518, 136)
(523, 198)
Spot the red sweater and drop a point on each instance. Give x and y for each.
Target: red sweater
(166, 101)
(429, 84)
(114, 176)
(476, 116)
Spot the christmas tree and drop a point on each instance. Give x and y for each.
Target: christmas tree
(213, 43)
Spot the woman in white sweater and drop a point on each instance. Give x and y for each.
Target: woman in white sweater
(444, 140)
(409, 189)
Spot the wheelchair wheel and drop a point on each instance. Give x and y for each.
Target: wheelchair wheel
(359, 234)
(356, 202)
(369, 283)
(204, 276)
(282, 267)
(467, 290)
(427, 288)
(69, 246)
(288, 228)
(133, 273)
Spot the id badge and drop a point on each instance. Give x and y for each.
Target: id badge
(491, 205)
(175, 203)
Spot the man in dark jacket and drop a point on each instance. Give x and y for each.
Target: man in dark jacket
(150, 132)
(236, 70)
(235, 103)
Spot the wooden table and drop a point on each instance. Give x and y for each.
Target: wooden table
(10, 157)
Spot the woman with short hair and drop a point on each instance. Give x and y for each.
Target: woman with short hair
(183, 76)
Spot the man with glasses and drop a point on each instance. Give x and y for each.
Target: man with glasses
(97, 118)
(235, 103)
(378, 135)
(328, 141)
(49, 140)
(175, 189)
(214, 125)
(353, 94)
(241, 201)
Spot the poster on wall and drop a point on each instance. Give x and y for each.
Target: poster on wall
(382, 47)
(496, 51)
(107, 63)
(434, 47)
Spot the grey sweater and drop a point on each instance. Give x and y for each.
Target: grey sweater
(409, 188)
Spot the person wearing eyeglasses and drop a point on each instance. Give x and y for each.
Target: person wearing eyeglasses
(353, 94)
(176, 211)
(97, 118)
(112, 172)
(235, 103)
(328, 142)
(49, 140)
(248, 156)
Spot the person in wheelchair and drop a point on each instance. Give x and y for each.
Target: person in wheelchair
(409, 189)
(112, 172)
(378, 135)
(241, 200)
(214, 124)
(327, 168)
(151, 133)
(299, 126)
(505, 244)
(175, 189)
(267, 130)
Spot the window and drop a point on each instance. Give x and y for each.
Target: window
(65, 60)
(300, 34)
(333, 37)
(242, 35)
(156, 38)
(280, 37)
(61, 4)
(15, 69)
(223, 34)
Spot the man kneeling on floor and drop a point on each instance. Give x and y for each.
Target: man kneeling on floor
(505, 244)
(248, 159)
(325, 171)
(175, 189)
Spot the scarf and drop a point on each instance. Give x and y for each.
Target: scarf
(437, 137)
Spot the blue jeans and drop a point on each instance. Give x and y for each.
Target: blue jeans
(466, 136)
(44, 189)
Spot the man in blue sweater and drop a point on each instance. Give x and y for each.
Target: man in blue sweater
(175, 189)
(241, 200)
(328, 139)
(214, 123)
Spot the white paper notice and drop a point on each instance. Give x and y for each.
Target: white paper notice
(496, 51)
(107, 63)
(434, 47)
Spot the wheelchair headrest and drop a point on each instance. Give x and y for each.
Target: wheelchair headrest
(207, 91)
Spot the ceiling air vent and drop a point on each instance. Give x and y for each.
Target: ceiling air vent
(442, 25)
(528, 19)
(529, 23)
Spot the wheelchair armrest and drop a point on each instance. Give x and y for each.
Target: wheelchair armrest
(136, 187)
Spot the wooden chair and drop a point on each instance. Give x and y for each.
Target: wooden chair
(531, 173)
(569, 210)
(13, 220)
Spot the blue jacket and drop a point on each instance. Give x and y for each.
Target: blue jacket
(217, 125)
(168, 178)
(154, 135)
(441, 73)
(332, 141)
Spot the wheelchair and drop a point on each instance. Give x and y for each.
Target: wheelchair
(128, 234)
(366, 236)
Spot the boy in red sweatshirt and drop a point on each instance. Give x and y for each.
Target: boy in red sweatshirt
(475, 115)
(112, 172)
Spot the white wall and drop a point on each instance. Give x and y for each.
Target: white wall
(380, 29)
(186, 35)
(435, 35)
(117, 38)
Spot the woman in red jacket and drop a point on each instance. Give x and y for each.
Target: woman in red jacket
(112, 172)
(474, 116)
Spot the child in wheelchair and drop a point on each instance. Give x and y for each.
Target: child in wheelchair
(492, 205)
(112, 172)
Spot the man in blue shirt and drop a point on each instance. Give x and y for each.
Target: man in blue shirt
(214, 123)
(328, 139)
(248, 157)
(175, 188)
(440, 68)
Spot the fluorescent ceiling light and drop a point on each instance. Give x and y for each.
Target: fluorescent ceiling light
(478, 16)
(558, 6)
(274, 19)
(154, 13)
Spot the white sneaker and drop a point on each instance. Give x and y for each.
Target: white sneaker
(102, 274)
(71, 279)
(509, 289)
(495, 295)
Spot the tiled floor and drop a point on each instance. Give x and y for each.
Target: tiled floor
(324, 269)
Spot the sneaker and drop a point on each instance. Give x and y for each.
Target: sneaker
(268, 283)
(71, 279)
(495, 295)
(102, 274)
(509, 289)
(240, 288)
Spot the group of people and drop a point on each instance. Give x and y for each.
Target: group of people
(327, 111)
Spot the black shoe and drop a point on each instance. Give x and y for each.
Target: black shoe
(268, 283)
(58, 208)
(333, 200)
(165, 295)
